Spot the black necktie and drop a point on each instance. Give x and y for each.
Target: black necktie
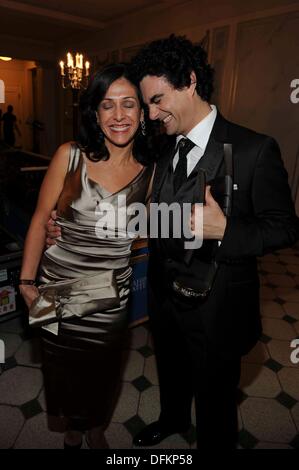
(180, 173)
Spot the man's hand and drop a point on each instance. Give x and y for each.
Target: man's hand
(214, 221)
(52, 231)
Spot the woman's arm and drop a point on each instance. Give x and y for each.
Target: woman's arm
(35, 239)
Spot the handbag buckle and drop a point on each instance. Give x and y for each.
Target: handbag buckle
(187, 291)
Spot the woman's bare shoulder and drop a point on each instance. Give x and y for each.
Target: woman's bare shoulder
(62, 153)
(65, 148)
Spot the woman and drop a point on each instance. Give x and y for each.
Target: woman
(82, 346)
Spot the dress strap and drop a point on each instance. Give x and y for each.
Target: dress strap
(74, 159)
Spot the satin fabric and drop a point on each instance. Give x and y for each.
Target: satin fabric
(74, 297)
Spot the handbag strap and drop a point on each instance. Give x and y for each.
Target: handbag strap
(228, 160)
(199, 192)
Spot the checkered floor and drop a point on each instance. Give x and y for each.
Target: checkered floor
(269, 388)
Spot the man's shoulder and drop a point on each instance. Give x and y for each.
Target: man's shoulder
(245, 135)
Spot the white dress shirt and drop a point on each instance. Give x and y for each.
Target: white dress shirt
(199, 135)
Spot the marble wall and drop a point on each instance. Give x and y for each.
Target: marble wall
(266, 62)
(218, 57)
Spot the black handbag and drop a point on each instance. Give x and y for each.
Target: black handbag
(181, 275)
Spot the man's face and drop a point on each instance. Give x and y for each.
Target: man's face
(167, 104)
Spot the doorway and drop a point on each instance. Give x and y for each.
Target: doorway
(13, 97)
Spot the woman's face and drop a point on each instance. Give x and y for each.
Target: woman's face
(119, 112)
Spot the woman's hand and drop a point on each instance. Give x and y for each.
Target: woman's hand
(29, 293)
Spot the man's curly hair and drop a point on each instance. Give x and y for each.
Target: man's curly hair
(175, 58)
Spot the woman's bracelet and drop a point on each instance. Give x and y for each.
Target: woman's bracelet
(27, 282)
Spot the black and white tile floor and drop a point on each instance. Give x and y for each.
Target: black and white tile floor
(269, 389)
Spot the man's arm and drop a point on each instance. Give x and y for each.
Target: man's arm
(52, 230)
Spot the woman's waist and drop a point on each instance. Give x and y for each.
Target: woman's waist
(60, 264)
(88, 251)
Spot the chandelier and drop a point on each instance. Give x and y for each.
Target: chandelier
(74, 74)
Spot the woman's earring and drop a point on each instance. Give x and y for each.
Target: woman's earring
(143, 128)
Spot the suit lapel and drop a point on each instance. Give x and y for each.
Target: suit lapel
(213, 156)
(212, 159)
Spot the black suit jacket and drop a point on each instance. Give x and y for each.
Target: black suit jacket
(263, 219)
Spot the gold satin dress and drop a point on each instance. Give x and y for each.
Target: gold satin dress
(82, 356)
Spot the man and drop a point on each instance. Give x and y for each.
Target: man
(9, 126)
(199, 341)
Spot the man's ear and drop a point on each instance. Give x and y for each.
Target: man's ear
(193, 82)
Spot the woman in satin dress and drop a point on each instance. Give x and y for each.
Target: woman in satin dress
(110, 164)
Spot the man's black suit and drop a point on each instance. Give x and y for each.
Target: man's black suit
(199, 344)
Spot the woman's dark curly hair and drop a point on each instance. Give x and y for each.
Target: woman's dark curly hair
(91, 138)
(175, 58)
